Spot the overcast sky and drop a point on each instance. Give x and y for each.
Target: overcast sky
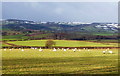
(61, 11)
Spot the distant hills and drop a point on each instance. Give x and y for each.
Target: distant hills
(54, 30)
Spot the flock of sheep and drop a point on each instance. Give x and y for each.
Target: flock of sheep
(107, 51)
(54, 49)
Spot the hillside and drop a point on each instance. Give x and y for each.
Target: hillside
(24, 29)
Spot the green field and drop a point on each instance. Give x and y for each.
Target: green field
(65, 43)
(106, 41)
(32, 61)
(14, 37)
(4, 45)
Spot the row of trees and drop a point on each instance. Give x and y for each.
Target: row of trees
(37, 35)
(78, 36)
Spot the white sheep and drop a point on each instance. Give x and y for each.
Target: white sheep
(110, 52)
(79, 50)
(74, 49)
(64, 50)
(40, 50)
(67, 48)
(22, 50)
(54, 49)
(104, 52)
(84, 48)
(88, 50)
(4, 49)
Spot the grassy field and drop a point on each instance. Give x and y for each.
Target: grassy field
(3, 44)
(32, 61)
(106, 41)
(65, 43)
(14, 37)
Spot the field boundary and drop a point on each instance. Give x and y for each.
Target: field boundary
(20, 46)
(61, 47)
(9, 44)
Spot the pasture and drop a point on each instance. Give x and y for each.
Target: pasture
(82, 61)
(64, 43)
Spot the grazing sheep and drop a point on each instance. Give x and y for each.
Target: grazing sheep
(22, 50)
(67, 48)
(88, 50)
(74, 50)
(64, 50)
(58, 49)
(79, 50)
(84, 48)
(40, 50)
(104, 52)
(54, 49)
(110, 52)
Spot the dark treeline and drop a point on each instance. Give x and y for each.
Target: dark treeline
(63, 36)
